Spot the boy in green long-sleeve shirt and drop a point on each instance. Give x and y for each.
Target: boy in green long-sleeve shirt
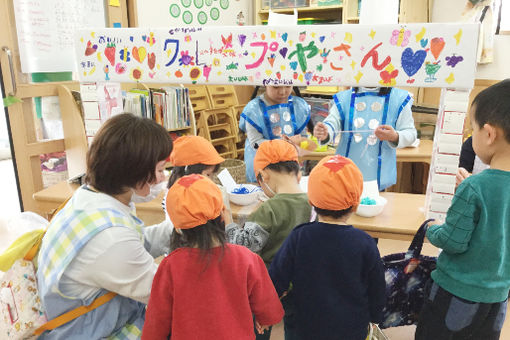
(469, 293)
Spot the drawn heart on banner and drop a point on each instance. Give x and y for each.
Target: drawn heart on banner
(285, 36)
(412, 61)
(109, 53)
(387, 76)
(151, 60)
(283, 51)
(321, 38)
(293, 65)
(424, 42)
(436, 46)
(91, 49)
(139, 54)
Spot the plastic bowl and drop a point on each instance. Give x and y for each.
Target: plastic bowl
(245, 199)
(372, 210)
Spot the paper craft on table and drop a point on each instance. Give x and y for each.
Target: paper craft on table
(446, 163)
(450, 143)
(370, 189)
(227, 180)
(453, 122)
(91, 110)
(443, 184)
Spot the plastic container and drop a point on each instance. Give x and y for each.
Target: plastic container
(245, 199)
(372, 210)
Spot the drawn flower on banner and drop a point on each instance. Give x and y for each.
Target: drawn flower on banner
(187, 38)
(216, 62)
(186, 59)
(388, 76)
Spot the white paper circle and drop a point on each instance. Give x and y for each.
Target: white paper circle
(358, 137)
(376, 106)
(286, 116)
(359, 122)
(371, 140)
(277, 130)
(373, 124)
(361, 106)
(274, 118)
(287, 129)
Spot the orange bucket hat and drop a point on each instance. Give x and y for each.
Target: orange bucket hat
(192, 201)
(189, 150)
(273, 151)
(335, 183)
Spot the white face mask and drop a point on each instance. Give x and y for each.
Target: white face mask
(155, 189)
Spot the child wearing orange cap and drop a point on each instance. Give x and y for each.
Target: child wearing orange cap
(335, 269)
(193, 155)
(206, 288)
(266, 228)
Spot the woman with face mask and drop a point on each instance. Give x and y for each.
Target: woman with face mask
(96, 244)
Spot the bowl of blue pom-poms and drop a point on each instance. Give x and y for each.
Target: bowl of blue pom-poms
(244, 194)
(371, 206)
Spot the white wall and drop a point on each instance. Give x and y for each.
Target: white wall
(450, 11)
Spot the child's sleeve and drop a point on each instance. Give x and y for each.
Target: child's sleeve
(158, 318)
(461, 219)
(333, 122)
(264, 301)
(405, 126)
(255, 232)
(255, 138)
(376, 285)
(282, 266)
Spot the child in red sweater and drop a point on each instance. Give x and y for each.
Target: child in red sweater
(206, 288)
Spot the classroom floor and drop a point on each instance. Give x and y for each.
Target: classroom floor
(9, 206)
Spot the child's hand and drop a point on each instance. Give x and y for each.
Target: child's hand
(260, 328)
(462, 174)
(320, 131)
(386, 132)
(296, 139)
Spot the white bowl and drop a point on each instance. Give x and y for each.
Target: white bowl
(245, 199)
(365, 210)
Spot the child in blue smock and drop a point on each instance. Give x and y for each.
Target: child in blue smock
(375, 122)
(270, 116)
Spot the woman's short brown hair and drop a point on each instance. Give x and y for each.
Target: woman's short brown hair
(125, 152)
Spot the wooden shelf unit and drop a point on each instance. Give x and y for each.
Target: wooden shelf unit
(347, 13)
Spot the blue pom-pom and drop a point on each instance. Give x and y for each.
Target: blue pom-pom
(368, 201)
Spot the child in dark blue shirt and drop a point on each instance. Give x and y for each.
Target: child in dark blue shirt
(334, 269)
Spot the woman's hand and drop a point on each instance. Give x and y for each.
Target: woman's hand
(320, 131)
(386, 132)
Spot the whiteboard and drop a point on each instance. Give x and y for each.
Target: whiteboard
(163, 13)
(46, 31)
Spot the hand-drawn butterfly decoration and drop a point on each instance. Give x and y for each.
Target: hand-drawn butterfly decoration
(227, 42)
(400, 37)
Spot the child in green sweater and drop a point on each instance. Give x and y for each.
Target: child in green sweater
(277, 172)
(469, 292)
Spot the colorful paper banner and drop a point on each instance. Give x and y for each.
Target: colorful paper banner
(418, 55)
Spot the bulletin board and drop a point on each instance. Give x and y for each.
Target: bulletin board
(46, 31)
(418, 55)
(168, 13)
